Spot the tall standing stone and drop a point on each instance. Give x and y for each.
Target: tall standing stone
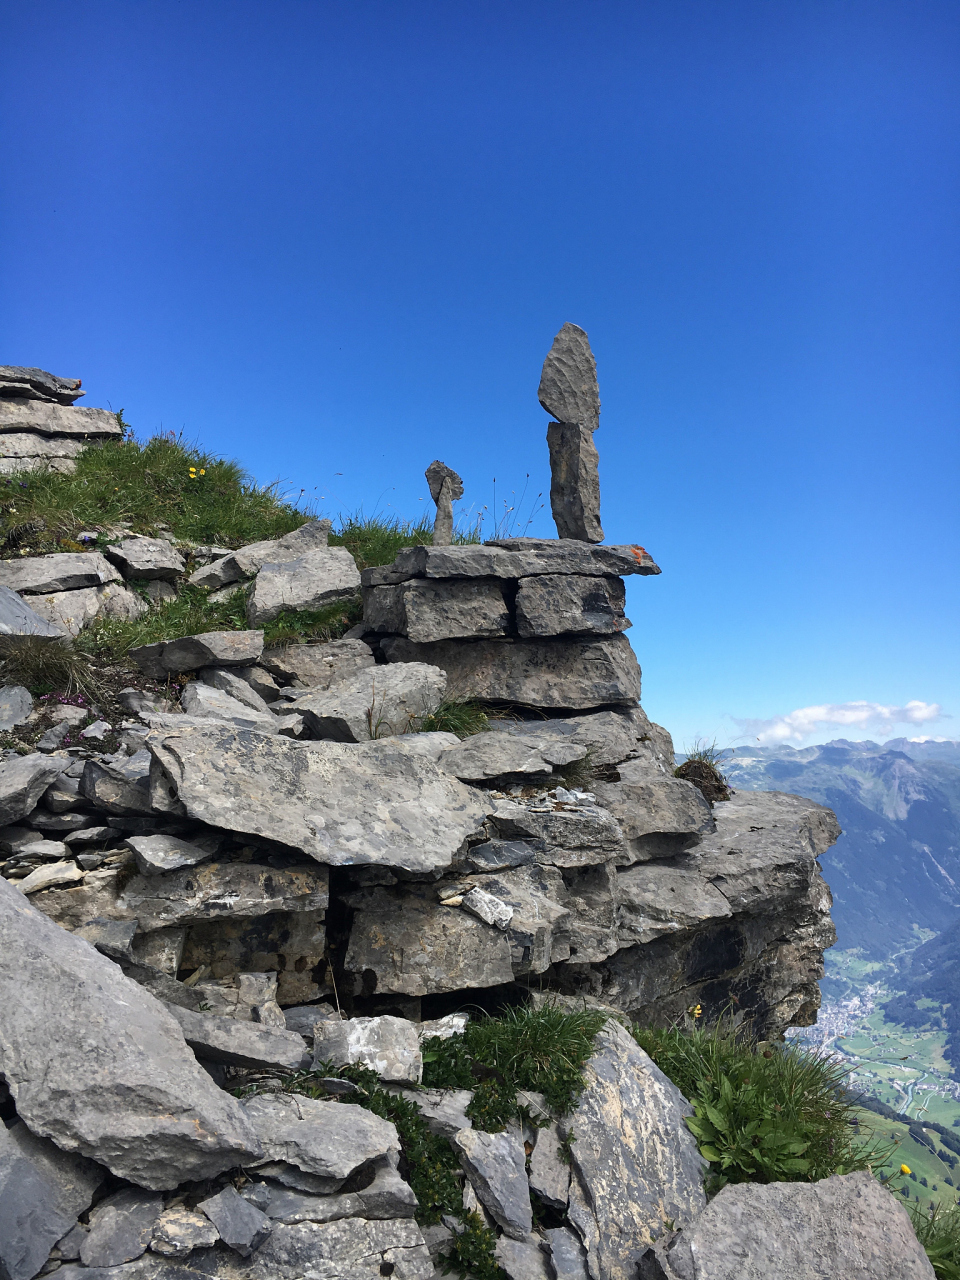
(445, 488)
(569, 390)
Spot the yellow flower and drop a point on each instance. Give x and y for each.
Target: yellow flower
(203, 471)
(905, 1168)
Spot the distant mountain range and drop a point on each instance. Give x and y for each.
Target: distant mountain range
(896, 867)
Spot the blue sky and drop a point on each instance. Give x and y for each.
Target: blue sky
(335, 241)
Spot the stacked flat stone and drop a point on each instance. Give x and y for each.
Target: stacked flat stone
(40, 428)
(532, 621)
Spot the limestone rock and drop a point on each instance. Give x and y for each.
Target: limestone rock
(843, 1228)
(17, 618)
(571, 832)
(634, 1161)
(24, 414)
(240, 1224)
(239, 687)
(574, 481)
(120, 787)
(210, 648)
(157, 854)
(444, 1110)
(23, 781)
(656, 899)
(116, 1082)
(522, 1259)
(348, 1249)
(328, 1139)
(660, 816)
(486, 756)
(341, 803)
(241, 1044)
(16, 704)
(222, 889)
(121, 1227)
(549, 1172)
(564, 603)
(553, 674)
(207, 702)
(249, 559)
(425, 609)
(495, 1165)
(42, 1190)
(59, 571)
(608, 737)
(56, 873)
(37, 384)
(152, 558)
(567, 1255)
(445, 488)
(177, 1232)
(256, 678)
(312, 581)
(387, 1045)
(377, 702)
(568, 381)
(417, 947)
(71, 611)
(512, 558)
(318, 666)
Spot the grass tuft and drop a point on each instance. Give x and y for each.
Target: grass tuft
(462, 718)
(47, 665)
(938, 1230)
(702, 768)
(763, 1112)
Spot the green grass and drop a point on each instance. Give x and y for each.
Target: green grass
(938, 1230)
(763, 1112)
(544, 1050)
(47, 665)
(462, 718)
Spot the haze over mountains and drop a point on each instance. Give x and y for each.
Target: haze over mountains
(896, 867)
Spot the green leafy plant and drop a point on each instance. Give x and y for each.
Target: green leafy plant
(472, 1252)
(702, 768)
(462, 718)
(762, 1112)
(544, 1050)
(938, 1230)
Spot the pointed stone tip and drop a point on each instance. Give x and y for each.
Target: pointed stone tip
(568, 384)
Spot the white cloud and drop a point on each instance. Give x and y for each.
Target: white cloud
(872, 717)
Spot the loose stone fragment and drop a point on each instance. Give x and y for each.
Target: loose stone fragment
(567, 1255)
(205, 701)
(318, 666)
(312, 581)
(179, 1231)
(157, 854)
(378, 702)
(238, 686)
(210, 648)
(488, 908)
(486, 756)
(387, 1045)
(495, 1165)
(60, 571)
(235, 565)
(328, 1139)
(568, 382)
(241, 1044)
(574, 481)
(522, 1259)
(23, 781)
(549, 1172)
(241, 1225)
(445, 488)
(17, 618)
(121, 1227)
(16, 704)
(151, 558)
(120, 787)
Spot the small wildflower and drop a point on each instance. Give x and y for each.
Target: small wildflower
(905, 1168)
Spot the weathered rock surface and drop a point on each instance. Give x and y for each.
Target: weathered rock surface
(205, 701)
(151, 558)
(328, 1139)
(241, 1044)
(118, 786)
(71, 611)
(157, 854)
(312, 581)
(522, 1259)
(568, 1257)
(568, 381)
(499, 755)
(121, 1227)
(609, 737)
(23, 781)
(843, 1228)
(17, 618)
(177, 1232)
(37, 384)
(574, 481)
(387, 1045)
(549, 1171)
(512, 558)
(348, 1249)
(210, 648)
(27, 414)
(340, 803)
(426, 609)
(240, 1224)
(634, 1162)
(659, 815)
(42, 1190)
(495, 1165)
(377, 702)
(59, 571)
(574, 674)
(561, 604)
(236, 565)
(445, 488)
(239, 687)
(222, 889)
(15, 706)
(116, 1082)
(318, 666)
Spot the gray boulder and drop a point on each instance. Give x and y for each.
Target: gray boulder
(23, 781)
(116, 1082)
(387, 1045)
(207, 702)
(177, 1232)
(377, 702)
(660, 816)
(157, 854)
(512, 558)
(564, 603)
(56, 419)
(568, 381)
(119, 786)
(151, 558)
(241, 1044)
(568, 1257)
(16, 704)
(574, 481)
(312, 581)
(634, 1162)
(240, 1224)
(237, 685)
(210, 648)
(18, 619)
(74, 610)
(218, 890)
(42, 1190)
(37, 384)
(523, 1259)
(60, 571)
(574, 673)
(425, 610)
(328, 1139)
(549, 1171)
(607, 736)
(487, 756)
(57, 873)
(495, 1165)
(341, 803)
(121, 1227)
(347, 1249)
(318, 666)
(843, 1228)
(244, 563)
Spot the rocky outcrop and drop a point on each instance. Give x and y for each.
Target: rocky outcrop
(40, 429)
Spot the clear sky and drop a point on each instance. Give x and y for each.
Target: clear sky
(335, 241)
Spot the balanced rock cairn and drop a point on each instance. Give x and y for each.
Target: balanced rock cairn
(445, 488)
(568, 390)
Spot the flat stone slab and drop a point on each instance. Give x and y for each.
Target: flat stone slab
(552, 674)
(16, 704)
(328, 1139)
(659, 815)
(121, 1227)
(656, 899)
(207, 649)
(23, 781)
(157, 854)
(116, 1081)
(57, 420)
(512, 558)
(312, 581)
(37, 384)
(425, 609)
(239, 1043)
(348, 1249)
(222, 890)
(495, 1165)
(608, 736)
(634, 1162)
(377, 702)
(205, 700)
(241, 1225)
(17, 618)
(495, 755)
(567, 604)
(150, 558)
(387, 1045)
(238, 686)
(59, 571)
(344, 804)
(317, 666)
(842, 1228)
(235, 565)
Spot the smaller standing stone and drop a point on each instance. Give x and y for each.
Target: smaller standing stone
(15, 705)
(445, 488)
